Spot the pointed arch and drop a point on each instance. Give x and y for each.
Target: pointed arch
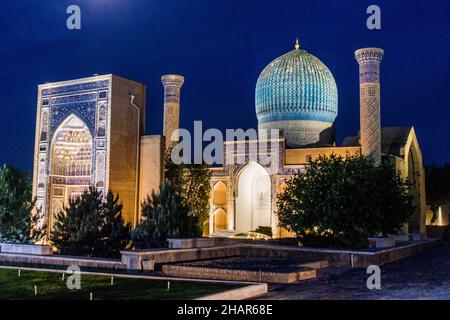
(60, 120)
(415, 175)
(71, 148)
(219, 220)
(70, 163)
(253, 194)
(220, 194)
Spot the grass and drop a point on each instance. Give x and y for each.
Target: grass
(50, 286)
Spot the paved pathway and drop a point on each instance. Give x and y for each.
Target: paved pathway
(423, 276)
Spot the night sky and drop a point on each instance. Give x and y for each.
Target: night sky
(221, 47)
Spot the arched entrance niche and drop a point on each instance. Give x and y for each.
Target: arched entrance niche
(220, 193)
(70, 163)
(219, 220)
(253, 198)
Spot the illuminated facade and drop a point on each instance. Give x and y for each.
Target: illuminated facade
(91, 132)
(297, 94)
(88, 134)
(244, 196)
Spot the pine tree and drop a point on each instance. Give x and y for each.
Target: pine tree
(18, 222)
(114, 232)
(76, 227)
(164, 216)
(91, 226)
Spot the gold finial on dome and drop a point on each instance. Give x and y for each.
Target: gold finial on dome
(297, 45)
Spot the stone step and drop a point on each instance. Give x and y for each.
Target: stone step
(316, 264)
(306, 274)
(201, 272)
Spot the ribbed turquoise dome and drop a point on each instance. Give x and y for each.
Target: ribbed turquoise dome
(297, 87)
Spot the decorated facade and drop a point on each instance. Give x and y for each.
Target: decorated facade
(297, 94)
(91, 132)
(88, 134)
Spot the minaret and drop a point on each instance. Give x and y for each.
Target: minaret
(369, 60)
(172, 86)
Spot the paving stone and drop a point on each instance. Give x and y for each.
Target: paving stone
(423, 276)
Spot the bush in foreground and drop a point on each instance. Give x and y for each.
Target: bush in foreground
(264, 230)
(91, 226)
(18, 224)
(164, 216)
(192, 183)
(342, 201)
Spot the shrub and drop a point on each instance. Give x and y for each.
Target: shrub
(192, 183)
(264, 230)
(344, 200)
(91, 226)
(164, 216)
(18, 223)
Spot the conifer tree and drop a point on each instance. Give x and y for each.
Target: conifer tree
(164, 216)
(91, 226)
(18, 222)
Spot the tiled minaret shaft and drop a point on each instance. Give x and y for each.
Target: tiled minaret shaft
(369, 60)
(172, 87)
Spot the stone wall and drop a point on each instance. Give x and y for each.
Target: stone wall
(343, 258)
(300, 156)
(124, 143)
(60, 261)
(151, 165)
(390, 255)
(207, 242)
(133, 259)
(25, 249)
(237, 275)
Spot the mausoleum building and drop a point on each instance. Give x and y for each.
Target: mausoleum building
(91, 132)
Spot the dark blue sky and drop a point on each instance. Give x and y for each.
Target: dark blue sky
(221, 47)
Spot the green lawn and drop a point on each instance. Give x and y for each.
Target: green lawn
(51, 286)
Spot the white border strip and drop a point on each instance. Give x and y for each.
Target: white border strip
(247, 292)
(129, 276)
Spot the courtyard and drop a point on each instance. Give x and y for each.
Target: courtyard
(423, 276)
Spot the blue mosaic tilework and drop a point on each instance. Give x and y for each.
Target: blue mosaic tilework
(79, 99)
(79, 87)
(296, 86)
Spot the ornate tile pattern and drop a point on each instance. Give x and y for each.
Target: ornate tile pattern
(298, 93)
(369, 61)
(89, 101)
(229, 173)
(296, 86)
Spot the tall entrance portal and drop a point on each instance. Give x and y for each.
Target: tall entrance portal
(253, 198)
